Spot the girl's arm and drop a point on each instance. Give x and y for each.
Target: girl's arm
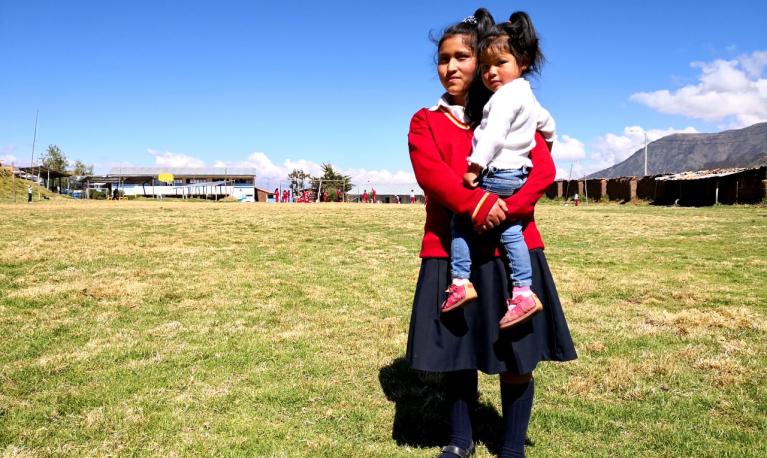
(436, 177)
(522, 204)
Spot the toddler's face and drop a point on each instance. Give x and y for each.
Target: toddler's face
(498, 68)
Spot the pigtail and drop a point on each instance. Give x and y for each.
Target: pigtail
(485, 22)
(523, 41)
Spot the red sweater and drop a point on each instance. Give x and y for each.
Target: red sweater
(439, 145)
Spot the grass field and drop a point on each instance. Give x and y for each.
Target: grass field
(177, 329)
(15, 190)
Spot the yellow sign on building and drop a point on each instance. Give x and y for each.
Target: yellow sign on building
(166, 177)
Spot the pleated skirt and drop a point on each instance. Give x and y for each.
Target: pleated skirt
(469, 338)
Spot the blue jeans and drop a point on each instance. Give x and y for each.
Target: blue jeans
(502, 182)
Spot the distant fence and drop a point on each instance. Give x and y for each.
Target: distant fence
(744, 187)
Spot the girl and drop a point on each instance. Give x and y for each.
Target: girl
(458, 344)
(500, 157)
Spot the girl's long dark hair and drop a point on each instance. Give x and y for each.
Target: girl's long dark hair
(473, 28)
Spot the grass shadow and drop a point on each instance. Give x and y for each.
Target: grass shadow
(421, 415)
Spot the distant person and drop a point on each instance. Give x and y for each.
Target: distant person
(276, 195)
(500, 158)
(29, 193)
(412, 196)
(324, 196)
(459, 344)
(373, 195)
(576, 199)
(115, 194)
(365, 196)
(396, 198)
(338, 195)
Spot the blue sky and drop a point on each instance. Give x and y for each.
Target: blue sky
(278, 85)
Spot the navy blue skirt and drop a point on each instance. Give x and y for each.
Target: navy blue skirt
(469, 338)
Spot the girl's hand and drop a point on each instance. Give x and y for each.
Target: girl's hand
(495, 217)
(470, 179)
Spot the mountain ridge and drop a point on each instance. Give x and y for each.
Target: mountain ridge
(681, 152)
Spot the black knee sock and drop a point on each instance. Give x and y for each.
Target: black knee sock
(461, 391)
(517, 402)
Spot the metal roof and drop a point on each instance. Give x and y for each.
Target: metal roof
(44, 171)
(700, 174)
(182, 171)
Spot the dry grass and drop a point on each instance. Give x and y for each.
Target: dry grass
(168, 328)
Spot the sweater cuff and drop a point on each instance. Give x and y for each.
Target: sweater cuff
(483, 208)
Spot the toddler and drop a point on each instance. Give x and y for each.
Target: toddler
(500, 162)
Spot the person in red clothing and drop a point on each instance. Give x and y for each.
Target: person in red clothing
(459, 344)
(373, 195)
(365, 196)
(276, 195)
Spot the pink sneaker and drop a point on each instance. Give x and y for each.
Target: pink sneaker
(520, 309)
(458, 296)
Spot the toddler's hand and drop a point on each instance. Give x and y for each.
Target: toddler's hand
(470, 179)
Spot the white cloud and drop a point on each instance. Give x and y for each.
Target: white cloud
(609, 149)
(268, 170)
(7, 158)
(106, 166)
(380, 177)
(568, 148)
(730, 91)
(5, 154)
(260, 161)
(579, 170)
(755, 63)
(169, 159)
(312, 168)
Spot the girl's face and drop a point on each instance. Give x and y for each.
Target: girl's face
(456, 64)
(498, 68)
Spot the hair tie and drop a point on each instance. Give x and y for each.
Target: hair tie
(470, 20)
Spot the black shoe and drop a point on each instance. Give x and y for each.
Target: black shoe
(458, 451)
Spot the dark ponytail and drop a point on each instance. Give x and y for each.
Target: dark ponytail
(473, 28)
(519, 38)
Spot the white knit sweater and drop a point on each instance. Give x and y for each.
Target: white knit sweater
(506, 134)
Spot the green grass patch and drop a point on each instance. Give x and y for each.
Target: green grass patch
(174, 328)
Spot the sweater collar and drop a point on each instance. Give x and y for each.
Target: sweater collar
(456, 113)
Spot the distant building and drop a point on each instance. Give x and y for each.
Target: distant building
(388, 193)
(205, 182)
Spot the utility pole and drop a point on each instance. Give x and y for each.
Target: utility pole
(645, 154)
(34, 139)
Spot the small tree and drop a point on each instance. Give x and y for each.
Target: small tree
(81, 169)
(55, 159)
(331, 181)
(297, 178)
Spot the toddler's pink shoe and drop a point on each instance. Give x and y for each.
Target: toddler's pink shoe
(521, 309)
(458, 296)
